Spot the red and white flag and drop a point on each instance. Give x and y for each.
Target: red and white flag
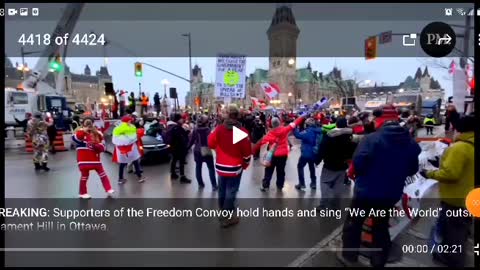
(255, 101)
(452, 67)
(270, 89)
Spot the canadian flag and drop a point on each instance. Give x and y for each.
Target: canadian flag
(452, 67)
(270, 89)
(255, 101)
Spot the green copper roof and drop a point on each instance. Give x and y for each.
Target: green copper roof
(260, 76)
(305, 75)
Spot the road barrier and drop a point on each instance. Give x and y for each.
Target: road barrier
(58, 143)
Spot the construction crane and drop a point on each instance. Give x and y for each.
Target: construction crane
(34, 94)
(52, 52)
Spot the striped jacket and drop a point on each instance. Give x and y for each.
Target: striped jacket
(88, 149)
(232, 158)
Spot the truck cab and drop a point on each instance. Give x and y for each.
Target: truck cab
(432, 107)
(17, 104)
(410, 102)
(374, 104)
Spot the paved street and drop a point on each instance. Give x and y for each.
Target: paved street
(62, 182)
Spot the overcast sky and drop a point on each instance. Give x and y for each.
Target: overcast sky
(390, 71)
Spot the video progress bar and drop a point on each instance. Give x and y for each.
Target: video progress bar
(184, 249)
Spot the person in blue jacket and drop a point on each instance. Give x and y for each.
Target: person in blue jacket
(310, 143)
(383, 160)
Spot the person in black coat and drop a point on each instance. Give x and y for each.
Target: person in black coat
(263, 117)
(248, 122)
(177, 137)
(335, 150)
(451, 117)
(258, 131)
(24, 123)
(132, 102)
(199, 138)
(156, 103)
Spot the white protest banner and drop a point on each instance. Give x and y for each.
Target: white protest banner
(230, 76)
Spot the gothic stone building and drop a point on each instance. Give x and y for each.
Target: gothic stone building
(305, 85)
(421, 82)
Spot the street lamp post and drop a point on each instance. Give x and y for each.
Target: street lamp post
(290, 99)
(110, 105)
(165, 83)
(189, 36)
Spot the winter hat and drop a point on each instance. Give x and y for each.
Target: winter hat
(127, 119)
(233, 112)
(377, 112)
(465, 124)
(275, 122)
(202, 120)
(341, 122)
(353, 120)
(310, 122)
(175, 117)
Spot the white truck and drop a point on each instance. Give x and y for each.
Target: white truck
(20, 102)
(17, 103)
(377, 103)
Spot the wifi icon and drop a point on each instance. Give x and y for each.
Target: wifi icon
(461, 11)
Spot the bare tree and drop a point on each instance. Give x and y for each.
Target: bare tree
(346, 87)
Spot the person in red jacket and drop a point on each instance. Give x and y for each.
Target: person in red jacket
(386, 113)
(277, 138)
(90, 144)
(232, 159)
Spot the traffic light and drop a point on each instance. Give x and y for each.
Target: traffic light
(371, 48)
(138, 69)
(56, 65)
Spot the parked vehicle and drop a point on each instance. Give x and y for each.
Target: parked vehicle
(19, 102)
(409, 101)
(373, 104)
(432, 107)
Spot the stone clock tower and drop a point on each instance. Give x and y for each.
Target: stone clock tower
(282, 34)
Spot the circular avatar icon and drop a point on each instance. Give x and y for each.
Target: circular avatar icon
(438, 39)
(231, 78)
(473, 202)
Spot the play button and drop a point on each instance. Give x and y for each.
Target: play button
(238, 135)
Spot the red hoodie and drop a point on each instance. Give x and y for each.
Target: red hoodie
(232, 158)
(88, 148)
(389, 114)
(279, 136)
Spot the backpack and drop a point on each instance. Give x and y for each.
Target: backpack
(318, 141)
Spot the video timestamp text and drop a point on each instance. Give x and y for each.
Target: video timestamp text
(90, 39)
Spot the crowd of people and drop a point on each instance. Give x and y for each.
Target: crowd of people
(377, 151)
